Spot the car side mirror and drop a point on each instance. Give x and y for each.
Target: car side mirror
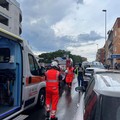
(42, 72)
(79, 89)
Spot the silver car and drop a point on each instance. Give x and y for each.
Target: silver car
(101, 101)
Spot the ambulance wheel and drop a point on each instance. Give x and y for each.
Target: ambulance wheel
(41, 99)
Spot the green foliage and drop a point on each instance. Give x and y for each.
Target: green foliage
(48, 57)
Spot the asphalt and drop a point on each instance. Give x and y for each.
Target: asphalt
(67, 107)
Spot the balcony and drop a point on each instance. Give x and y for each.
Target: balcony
(20, 17)
(4, 12)
(4, 20)
(4, 4)
(20, 29)
(4, 27)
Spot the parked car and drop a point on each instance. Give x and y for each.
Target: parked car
(85, 65)
(91, 70)
(96, 64)
(94, 67)
(101, 101)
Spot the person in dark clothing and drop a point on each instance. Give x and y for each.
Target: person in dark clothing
(79, 71)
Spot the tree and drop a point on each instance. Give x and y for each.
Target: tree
(48, 57)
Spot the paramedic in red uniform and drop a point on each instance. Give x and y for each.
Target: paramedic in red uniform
(52, 91)
(69, 75)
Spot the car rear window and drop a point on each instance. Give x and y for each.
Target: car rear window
(89, 70)
(110, 108)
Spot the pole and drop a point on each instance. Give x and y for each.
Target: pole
(105, 11)
(97, 47)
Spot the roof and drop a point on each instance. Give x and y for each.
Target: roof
(10, 35)
(108, 83)
(95, 69)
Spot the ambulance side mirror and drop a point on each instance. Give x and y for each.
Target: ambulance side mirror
(42, 71)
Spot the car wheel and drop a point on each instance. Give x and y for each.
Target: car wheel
(41, 99)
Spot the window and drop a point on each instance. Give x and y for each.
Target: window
(110, 108)
(3, 20)
(34, 68)
(4, 4)
(4, 55)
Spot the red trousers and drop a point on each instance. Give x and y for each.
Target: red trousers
(52, 97)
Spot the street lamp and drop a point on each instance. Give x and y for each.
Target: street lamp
(97, 47)
(105, 11)
(97, 52)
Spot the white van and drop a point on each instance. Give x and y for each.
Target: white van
(21, 85)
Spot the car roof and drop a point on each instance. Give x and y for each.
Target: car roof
(107, 84)
(95, 69)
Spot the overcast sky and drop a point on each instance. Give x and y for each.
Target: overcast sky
(74, 25)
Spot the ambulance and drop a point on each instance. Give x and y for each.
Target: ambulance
(21, 83)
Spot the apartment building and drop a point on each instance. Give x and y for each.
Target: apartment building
(109, 48)
(11, 16)
(116, 41)
(112, 45)
(100, 56)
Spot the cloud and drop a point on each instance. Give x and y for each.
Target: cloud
(43, 37)
(38, 29)
(77, 44)
(92, 36)
(52, 11)
(75, 27)
(79, 1)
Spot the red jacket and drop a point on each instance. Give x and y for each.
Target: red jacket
(70, 72)
(52, 78)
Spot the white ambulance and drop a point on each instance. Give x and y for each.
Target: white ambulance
(21, 83)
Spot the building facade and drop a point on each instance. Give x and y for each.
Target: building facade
(100, 56)
(109, 48)
(116, 40)
(112, 45)
(11, 16)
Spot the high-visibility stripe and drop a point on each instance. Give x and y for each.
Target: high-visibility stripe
(34, 80)
(52, 80)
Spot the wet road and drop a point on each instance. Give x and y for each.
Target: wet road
(67, 106)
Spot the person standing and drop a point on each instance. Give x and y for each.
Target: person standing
(69, 75)
(52, 91)
(79, 71)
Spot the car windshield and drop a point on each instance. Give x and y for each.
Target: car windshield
(110, 109)
(89, 70)
(97, 65)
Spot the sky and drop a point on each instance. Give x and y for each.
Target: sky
(77, 26)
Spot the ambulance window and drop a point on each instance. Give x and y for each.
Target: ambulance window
(36, 65)
(33, 65)
(4, 55)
